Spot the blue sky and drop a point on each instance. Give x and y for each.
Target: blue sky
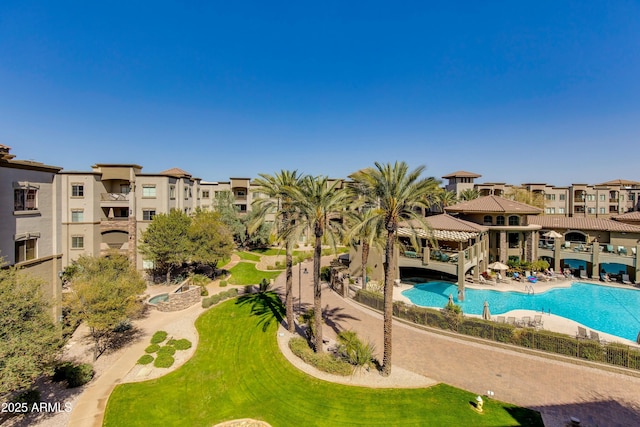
(517, 91)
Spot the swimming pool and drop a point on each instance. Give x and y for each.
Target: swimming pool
(607, 309)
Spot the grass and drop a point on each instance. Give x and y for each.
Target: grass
(245, 273)
(298, 254)
(223, 262)
(248, 256)
(239, 372)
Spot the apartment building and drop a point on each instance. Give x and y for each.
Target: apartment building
(30, 209)
(606, 200)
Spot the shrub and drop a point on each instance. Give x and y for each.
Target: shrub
(204, 292)
(181, 344)
(145, 360)
(158, 337)
(324, 361)
(223, 283)
(30, 397)
(325, 273)
(167, 349)
(354, 350)
(206, 303)
(74, 375)
(152, 348)
(163, 361)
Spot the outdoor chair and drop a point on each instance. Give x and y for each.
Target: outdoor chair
(582, 333)
(596, 337)
(625, 279)
(567, 245)
(622, 250)
(500, 319)
(511, 320)
(526, 321)
(610, 248)
(583, 274)
(537, 321)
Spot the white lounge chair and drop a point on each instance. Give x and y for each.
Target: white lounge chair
(582, 333)
(583, 274)
(625, 279)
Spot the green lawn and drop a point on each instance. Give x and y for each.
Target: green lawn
(245, 273)
(248, 256)
(238, 371)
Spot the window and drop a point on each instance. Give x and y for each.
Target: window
(25, 250)
(602, 210)
(632, 197)
(621, 198)
(550, 210)
(563, 197)
(241, 193)
(186, 193)
(591, 197)
(77, 242)
(514, 220)
(550, 196)
(603, 197)
(205, 194)
(172, 192)
(77, 216)
(488, 219)
(77, 190)
(499, 220)
(591, 210)
(149, 191)
(242, 208)
(513, 239)
(125, 188)
(148, 214)
(561, 210)
(25, 199)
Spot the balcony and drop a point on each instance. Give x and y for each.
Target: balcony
(114, 199)
(114, 224)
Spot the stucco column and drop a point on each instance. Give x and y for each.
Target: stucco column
(595, 258)
(426, 255)
(637, 278)
(557, 244)
(132, 226)
(461, 274)
(502, 256)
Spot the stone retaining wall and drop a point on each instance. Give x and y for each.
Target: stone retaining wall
(181, 300)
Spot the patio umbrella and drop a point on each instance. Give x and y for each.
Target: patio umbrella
(552, 234)
(486, 314)
(498, 266)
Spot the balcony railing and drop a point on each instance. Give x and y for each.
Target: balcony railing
(114, 197)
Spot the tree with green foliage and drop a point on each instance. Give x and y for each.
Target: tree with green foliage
(279, 203)
(321, 206)
(29, 341)
(224, 204)
(210, 239)
(442, 198)
(104, 295)
(522, 195)
(469, 194)
(399, 195)
(166, 241)
(364, 232)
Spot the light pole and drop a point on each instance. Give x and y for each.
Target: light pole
(300, 286)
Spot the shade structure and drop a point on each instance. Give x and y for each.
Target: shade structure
(552, 234)
(450, 299)
(486, 314)
(498, 266)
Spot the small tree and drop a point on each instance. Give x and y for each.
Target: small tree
(166, 241)
(29, 340)
(104, 295)
(230, 216)
(209, 237)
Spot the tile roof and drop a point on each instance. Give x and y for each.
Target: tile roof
(493, 204)
(462, 174)
(176, 172)
(598, 224)
(621, 182)
(445, 227)
(629, 216)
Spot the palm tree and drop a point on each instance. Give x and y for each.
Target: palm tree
(367, 233)
(469, 194)
(279, 190)
(443, 198)
(321, 206)
(399, 194)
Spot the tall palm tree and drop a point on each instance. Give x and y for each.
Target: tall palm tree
(321, 205)
(279, 189)
(444, 198)
(469, 194)
(366, 233)
(400, 195)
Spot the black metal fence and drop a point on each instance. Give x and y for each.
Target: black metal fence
(612, 353)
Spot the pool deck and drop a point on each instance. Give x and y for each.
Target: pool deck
(551, 322)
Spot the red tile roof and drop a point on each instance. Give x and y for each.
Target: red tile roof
(629, 216)
(176, 172)
(598, 224)
(462, 174)
(493, 204)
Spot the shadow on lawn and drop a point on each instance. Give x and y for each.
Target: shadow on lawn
(267, 306)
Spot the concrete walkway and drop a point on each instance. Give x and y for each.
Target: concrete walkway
(559, 390)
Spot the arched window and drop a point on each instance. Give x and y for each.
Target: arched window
(488, 219)
(514, 220)
(499, 220)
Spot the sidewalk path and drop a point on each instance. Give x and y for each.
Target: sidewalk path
(559, 390)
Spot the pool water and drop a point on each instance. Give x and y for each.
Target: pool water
(611, 310)
(159, 298)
